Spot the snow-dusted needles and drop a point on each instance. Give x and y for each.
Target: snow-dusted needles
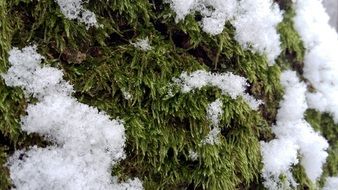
(86, 142)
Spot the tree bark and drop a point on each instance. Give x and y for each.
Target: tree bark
(332, 9)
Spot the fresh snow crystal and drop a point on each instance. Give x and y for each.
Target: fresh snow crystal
(214, 112)
(294, 135)
(73, 9)
(193, 155)
(212, 137)
(255, 21)
(320, 61)
(331, 183)
(142, 44)
(321, 58)
(256, 24)
(86, 142)
(230, 84)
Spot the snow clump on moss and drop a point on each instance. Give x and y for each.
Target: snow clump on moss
(321, 58)
(255, 21)
(73, 9)
(228, 83)
(293, 135)
(142, 44)
(86, 142)
(331, 183)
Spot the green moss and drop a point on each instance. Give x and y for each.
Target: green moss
(9, 98)
(4, 180)
(326, 126)
(161, 129)
(293, 55)
(293, 51)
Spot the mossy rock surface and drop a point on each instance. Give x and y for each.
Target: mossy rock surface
(102, 65)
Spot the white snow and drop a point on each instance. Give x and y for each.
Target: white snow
(182, 8)
(321, 58)
(252, 101)
(127, 95)
(255, 21)
(331, 183)
(256, 27)
(214, 12)
(278, 157)
(293, 135)
(215, 111)
(27, 73)
(212, 137)
(142, 44)
(87, 143)
(73, 9)
(193, 155)
(228, 83)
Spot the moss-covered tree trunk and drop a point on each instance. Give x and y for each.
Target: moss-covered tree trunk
(162, 129)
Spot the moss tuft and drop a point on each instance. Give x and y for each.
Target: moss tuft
(161, 129)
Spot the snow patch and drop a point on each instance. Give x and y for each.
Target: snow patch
(215, 111)
(293, 135)
(193, 155)
(255, 21)
(142, 44)
(230, 84)
(212, 137)
(256, 24)
(321, 58)
(86, 142)
(331, 183)
(73, 9)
